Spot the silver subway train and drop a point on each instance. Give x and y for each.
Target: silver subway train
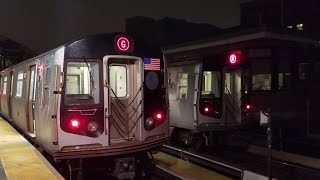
(225, 83)
(101, 96)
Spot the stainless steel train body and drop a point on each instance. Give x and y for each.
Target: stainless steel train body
(213, 84)
(100, 96)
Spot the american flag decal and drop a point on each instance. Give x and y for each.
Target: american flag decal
(151, 64)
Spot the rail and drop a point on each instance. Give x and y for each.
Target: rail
(228, 169)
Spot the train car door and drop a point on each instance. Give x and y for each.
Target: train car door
(31, 99)
(124, 105)
(1, 79)
(232, 96)
(11, 96)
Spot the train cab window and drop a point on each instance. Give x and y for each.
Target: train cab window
(19, 85)
(210, 84)
(284, 81)
(118, 80)
(82, 83)
(183, 85)
(227, 83)
(261, 75)
(284, 75)
(4, 90)
(261, 82)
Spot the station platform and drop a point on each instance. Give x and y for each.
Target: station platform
(286, 157)
(184, 169)
(19, 160)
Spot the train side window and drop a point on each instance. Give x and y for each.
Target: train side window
(118, 80)
(46, 87)
(183, 85)
(4, 90)
(19, 85)
(11, 84)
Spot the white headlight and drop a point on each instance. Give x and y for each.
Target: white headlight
(149, 123)
(93, 126)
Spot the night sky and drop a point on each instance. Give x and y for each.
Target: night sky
(45, 24)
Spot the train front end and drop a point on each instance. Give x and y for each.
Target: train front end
(113, 99)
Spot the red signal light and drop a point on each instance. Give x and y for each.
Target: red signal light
(75, 123)
(158, 116)
(208, 109)
(154, 121)
(247, 107)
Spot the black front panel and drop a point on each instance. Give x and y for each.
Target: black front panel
(84, 121)
(155, 95)
(93, 49)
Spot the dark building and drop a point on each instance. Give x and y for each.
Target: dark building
(167, 31)
(300, 15)
(12, 52)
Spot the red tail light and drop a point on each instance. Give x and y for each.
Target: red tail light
(74, 123)
(158, 116)
(207, 109)
(154, 121)
(247, 107)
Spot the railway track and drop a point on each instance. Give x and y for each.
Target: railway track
(237, 163)
(219, 166)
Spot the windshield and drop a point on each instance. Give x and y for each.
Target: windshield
(211, 84)
(82, 83)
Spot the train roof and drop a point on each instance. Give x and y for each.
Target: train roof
(82, 42)
(236, 35)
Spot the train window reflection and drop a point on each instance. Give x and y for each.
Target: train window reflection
(4, 90)
(261, 82)
(19, 85)
(284, 81)
(118, 80)
(183, 85)
(82, 83)
(210, 84)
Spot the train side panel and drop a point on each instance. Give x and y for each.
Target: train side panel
(181, 96)
(5, 93)
(19, 97)
(46, 101)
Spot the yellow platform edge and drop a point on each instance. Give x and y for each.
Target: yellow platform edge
(20, 159)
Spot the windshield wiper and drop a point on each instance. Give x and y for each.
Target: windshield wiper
(89, 69)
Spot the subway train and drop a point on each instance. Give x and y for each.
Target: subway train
(102, 97)
(229, 83)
